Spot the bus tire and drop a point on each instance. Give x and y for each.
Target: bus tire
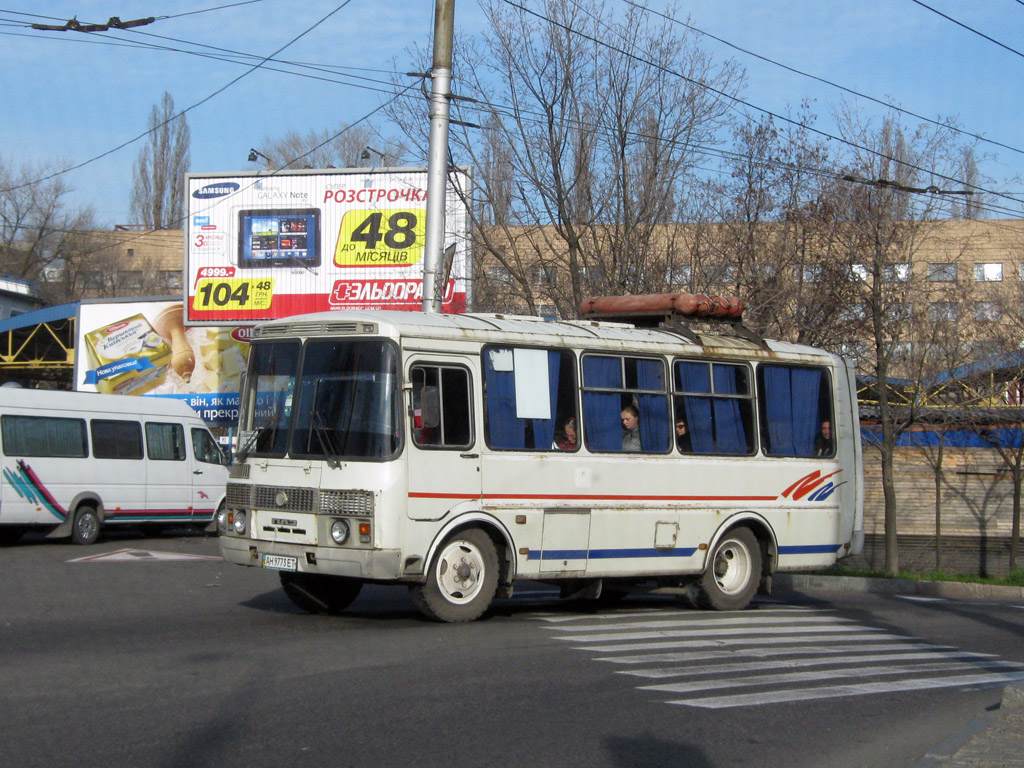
(732, 574)
(86, 528)
(462, 580)
(317, 593)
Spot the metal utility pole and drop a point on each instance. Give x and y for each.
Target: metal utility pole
(437, 166)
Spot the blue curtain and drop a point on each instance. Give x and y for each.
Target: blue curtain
(729, 431)
(806, 386)
(504, 430)
(696, 377)
(654, 419)
(544, 429)
(791, 409)
(601, 409)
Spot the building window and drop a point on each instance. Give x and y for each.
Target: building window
(131, 279)
(171, 279)
(852, 313)
(988, 311)
(896, 273)
(902, 311)
(499, 275)
(720, 274)
(942, 311)
(983, 350)
(942, 273)
(812, 273)
(991, 272)
(543, 275)
(859, 272)
(899, 351)
(1020, 271)
(678, 275)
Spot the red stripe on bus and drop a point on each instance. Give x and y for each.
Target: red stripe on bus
(572, 497)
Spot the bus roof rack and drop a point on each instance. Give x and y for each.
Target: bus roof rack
(672, 312)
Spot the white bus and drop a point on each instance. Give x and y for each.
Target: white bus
(458, 453)
(74, 462)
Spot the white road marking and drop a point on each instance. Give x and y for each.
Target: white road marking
(140, 556)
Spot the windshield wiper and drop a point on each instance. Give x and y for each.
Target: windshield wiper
(242, 453)
(326, 442)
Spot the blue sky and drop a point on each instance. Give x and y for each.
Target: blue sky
(74, 96)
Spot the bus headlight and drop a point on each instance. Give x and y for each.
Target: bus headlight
(239, 523)
(339, 531)
(222, 520)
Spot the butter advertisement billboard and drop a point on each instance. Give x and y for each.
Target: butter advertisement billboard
(144, 348)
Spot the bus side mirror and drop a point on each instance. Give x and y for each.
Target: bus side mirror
(430, 407)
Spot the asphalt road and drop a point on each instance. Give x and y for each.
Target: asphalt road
(132, 658)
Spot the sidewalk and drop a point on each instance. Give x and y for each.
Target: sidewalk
(993, 739)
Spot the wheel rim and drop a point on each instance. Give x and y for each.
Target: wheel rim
(732, 566)
(460, 572)
(87, 526)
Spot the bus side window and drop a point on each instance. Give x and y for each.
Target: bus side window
(442, 414)
(795, 402)
(116, 439)
(529, 396)
(205, 447)
(165, 442)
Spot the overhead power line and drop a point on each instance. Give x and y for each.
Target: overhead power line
(825, 81)
(763, 110)
(187, 109)
(970, 29)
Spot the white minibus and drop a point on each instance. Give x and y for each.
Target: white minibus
(75, 461)
(457, 453)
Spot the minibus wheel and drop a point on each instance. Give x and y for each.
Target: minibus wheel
(462, 580)
(86, 528)
(318, 593)
(732, 574)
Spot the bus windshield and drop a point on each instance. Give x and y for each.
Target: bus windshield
(342, 403)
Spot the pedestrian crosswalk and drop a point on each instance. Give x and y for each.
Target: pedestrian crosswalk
(768, 655)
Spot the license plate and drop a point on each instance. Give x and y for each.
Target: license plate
(280, 562)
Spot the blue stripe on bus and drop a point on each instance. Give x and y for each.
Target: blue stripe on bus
(608, 554)
(612, 554)
(809, 549)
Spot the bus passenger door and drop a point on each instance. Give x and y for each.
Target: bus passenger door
(209, 474)
(444, 458)
(168, 474)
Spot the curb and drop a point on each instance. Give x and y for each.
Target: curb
(795, 582)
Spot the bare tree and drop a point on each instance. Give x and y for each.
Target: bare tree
(881, 227)
(38, 232)
(592, 127)
(157, 198)
(354, 146)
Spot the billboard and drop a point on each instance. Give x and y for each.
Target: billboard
(144, 348)
(261, 246)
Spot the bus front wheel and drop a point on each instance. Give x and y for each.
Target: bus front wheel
(86, 528)
(317, 593)
(462, 580)
(732, 574)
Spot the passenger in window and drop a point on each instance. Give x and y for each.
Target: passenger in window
(683, 437)
(567, 442)
(630, 429)
(823, 442)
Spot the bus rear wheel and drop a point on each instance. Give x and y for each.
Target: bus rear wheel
(462, 580)
(317, 593)
(86, 528)
(732, 574)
